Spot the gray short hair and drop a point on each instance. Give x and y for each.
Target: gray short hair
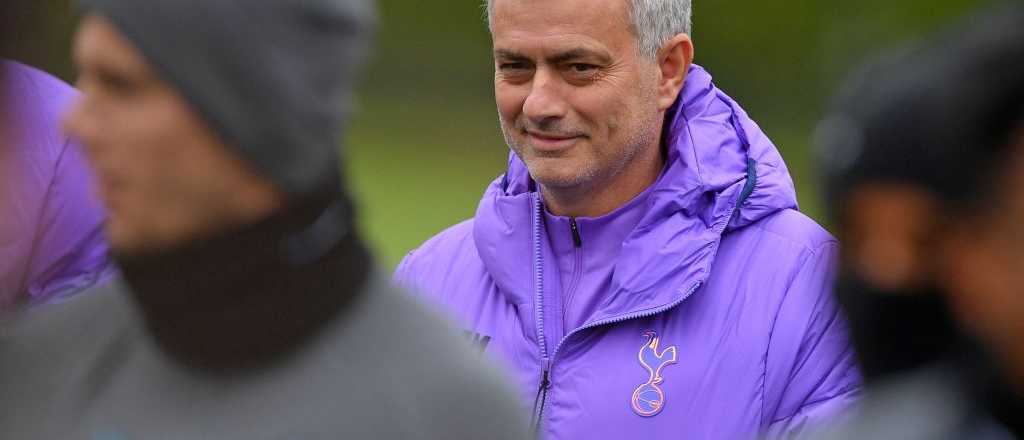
(654, 21)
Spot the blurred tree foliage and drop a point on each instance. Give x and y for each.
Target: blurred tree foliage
(38, 32)
(425, 141)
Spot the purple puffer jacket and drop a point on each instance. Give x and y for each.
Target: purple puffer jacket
(716, 323)
(51, 241)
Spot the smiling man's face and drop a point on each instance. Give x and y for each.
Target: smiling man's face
(576, 99)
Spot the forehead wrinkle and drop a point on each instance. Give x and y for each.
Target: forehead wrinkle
(576, 54)
(553, 49)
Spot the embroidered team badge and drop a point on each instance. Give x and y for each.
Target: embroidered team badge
(649, 399)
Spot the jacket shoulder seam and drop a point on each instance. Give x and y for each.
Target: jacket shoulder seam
(809, 244)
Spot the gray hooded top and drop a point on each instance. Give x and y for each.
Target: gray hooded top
(229, 337)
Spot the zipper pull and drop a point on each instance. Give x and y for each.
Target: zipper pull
(545, 383)
(575, 232)
(539, 401)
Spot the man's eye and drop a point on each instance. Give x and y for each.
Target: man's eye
(512, 66)
(117, 84)
(583, 68)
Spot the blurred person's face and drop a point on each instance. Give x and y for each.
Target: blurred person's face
(164, 175)
(902, 239)
(984, 267)
(577, 101)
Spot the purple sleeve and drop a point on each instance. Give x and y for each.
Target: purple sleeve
(407, 277)
(811, 374)
(70, 252)
(401, 275)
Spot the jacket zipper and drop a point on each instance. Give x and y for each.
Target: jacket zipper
(618, 319)
(540, 400)
(546, 381)
(538, 285)
(538, 278)
(577, 272)
(576, 240)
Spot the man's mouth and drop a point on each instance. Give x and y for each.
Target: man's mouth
(551, 142)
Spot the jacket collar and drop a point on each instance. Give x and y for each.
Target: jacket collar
(722, 173)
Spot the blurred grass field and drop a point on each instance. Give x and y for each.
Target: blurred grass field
(417, 172)
(425, 140)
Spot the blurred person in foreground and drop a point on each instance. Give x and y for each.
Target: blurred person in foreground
(248, 306)
(51, 225)
(924, 159)
(641, 267)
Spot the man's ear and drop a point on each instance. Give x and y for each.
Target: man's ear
(674, 60)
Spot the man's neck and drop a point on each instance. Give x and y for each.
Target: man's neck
(604, 197)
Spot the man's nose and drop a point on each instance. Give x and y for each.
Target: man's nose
(545, 102)
(78, 124)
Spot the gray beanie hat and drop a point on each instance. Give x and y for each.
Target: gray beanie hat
(274, 78)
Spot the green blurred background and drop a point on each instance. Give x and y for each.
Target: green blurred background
(425, 140)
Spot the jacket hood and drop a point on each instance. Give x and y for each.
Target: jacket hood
(721, 174)
(51, 240)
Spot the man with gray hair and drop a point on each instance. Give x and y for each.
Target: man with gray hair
(641, 267)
